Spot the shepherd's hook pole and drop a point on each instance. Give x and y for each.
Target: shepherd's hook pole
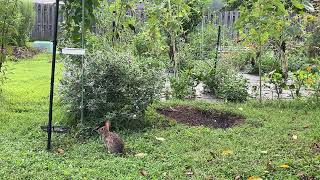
(53, 66)
(217, 47)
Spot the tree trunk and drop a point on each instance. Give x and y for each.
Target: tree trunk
(174, 55)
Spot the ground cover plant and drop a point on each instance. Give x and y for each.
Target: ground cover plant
(277, 140)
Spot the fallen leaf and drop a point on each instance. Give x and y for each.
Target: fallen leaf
(307, 126)
(160, 139)
(140, 155)
(285, 166)
(270, 166)
(316, 147)
(254, 178)
(264, 152)
(143, 172)
(60, 151)
(209, 178)
(300, 174)
(189, 173)
(295, 137)
(237, 178)
(227, 152)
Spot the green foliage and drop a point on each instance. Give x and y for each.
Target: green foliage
(200, 44)
(268, 63)
(170, 18)
(183, 85)
(268, 128)
(263, 19)
(27, 21)
(299, 80)
(227, 84)
(273, 22)
(276, 78)
(116, 21)
(149, 43)
(9, 21)
(115, 86)
(297, 59)
(313, 80)
(72, 13)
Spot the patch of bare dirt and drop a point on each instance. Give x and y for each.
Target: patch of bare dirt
(196, 117)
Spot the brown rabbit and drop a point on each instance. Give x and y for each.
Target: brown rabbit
(112, 141)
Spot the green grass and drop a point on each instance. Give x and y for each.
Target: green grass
(224, 154)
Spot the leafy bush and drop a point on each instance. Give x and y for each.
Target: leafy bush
(115, 86)
(299, 78)
(268, 63)
(198, 46)
(149, 44)
(297, 59)
(239, 59)
(183, 85)
(9, 21)
(277, 79)
(227, 84)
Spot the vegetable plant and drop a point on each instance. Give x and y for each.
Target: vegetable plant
(276, 78)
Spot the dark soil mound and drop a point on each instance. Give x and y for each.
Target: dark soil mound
(196, 117)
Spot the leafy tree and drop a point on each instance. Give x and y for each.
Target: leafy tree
(117, 21)
(299, 5)
(9, 19)
(175, 19)
(271, 22)
(73, 12)
(27, 20)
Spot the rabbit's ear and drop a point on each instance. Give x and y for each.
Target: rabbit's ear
(107, 125)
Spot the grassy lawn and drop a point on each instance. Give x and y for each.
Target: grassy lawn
(278, 133)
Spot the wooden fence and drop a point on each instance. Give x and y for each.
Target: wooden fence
(43, 29)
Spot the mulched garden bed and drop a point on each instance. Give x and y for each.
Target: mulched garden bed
(15, 53)
(196, 117)
(24, 52)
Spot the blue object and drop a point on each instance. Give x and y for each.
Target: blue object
(43, 45)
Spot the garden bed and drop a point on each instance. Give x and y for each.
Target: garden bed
(196, 117)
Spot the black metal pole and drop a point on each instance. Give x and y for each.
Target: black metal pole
(53, 67)
(218, 45)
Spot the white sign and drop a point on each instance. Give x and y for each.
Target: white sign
(73, 51)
